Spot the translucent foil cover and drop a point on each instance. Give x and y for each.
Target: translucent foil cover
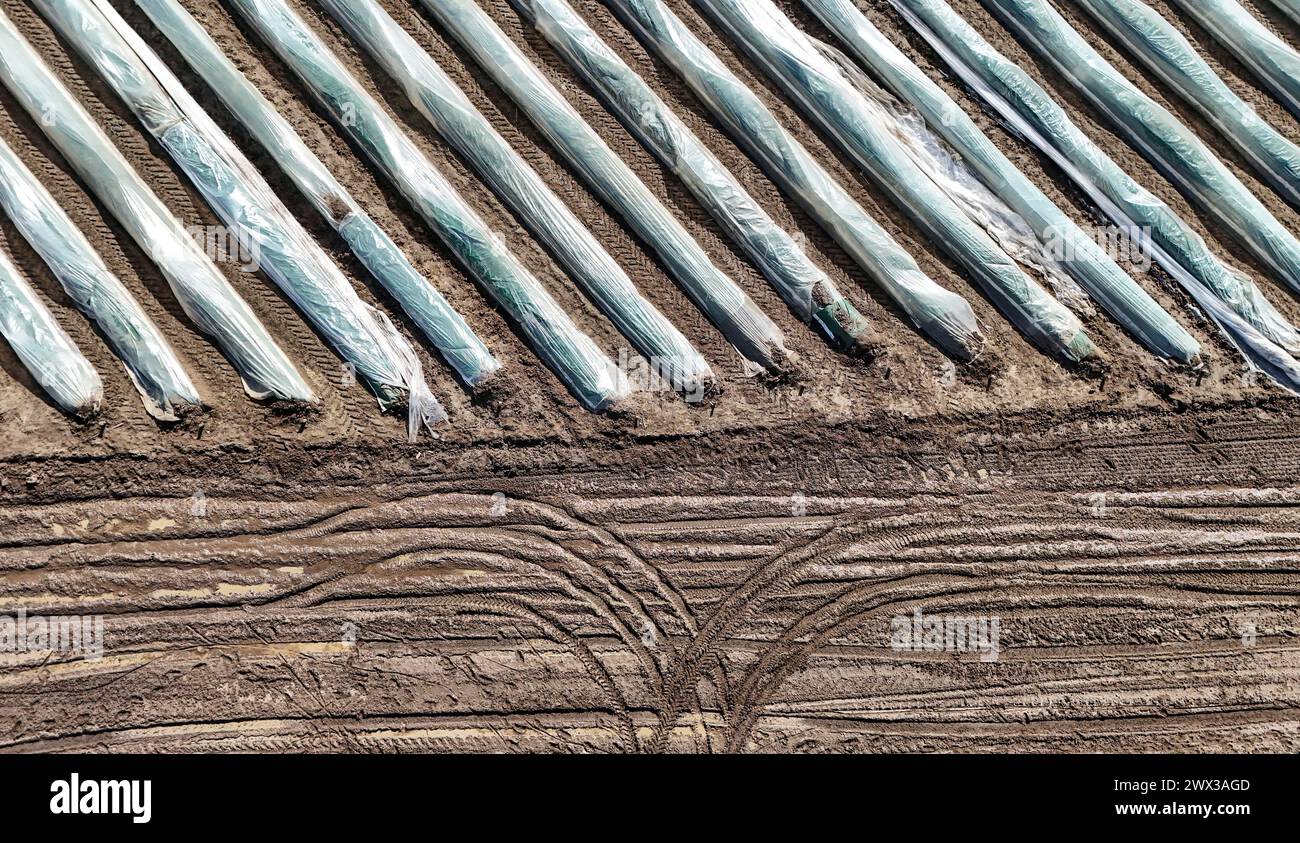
(938, 313)
(1162, 49)
(543, 213)
(1226, 295)
(1063, 240)
(47, 351)
(806, 288)
(741, 321)
(149, 360)
(427, 309)
(863, 129)
(571, 354)
(1273, 61)
(363, 336)
(201, 290)
(1173, 148)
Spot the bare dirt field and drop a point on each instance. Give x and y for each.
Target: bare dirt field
(683, 577)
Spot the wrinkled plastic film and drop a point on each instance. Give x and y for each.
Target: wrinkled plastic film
(807, 289)
(1273, 61)
(577, 361)
(419, 299)
(1228, 297)
(831, 100)
(365, 338)
(934, 157)
(1164, 51)
(44, 348)
(1078, 253)
(148, 358)
(543, 213)
(202, 291)
(739, 318)
(422, 303)
(938, 313)
(1173, 148)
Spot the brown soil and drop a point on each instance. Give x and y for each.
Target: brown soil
(686, 577)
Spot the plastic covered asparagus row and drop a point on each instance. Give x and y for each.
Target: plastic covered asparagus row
(420, 300)
(571, 354)
(938, 313)
(1273, 61)
(362, 335)
(806, 288)
(1164, 51)
(1157, 134)
(821, 88)
(743, 323)
(44, 348)
(1118, 293)
(1228, 296)
(149, 360)
(202, 291)
(438, 98)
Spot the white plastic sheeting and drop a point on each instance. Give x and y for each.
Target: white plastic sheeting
(1157, 134)
(1163, 50)
(1226, 295)
(366, 339)
(571, 354)
(149, 360)
(729, 307)
(940, 314)
(868, 132)
(1273, 61)
(202, 291)
(543, 213)
(44, 347)
(806, 288)
(1065, 242)
(419, 299)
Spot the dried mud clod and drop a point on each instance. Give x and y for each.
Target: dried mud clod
(845, 327)
(849, 331)
(1165, 382)
(866, 350)
(1093, 368)
(786, 368)
(635, 409)
(982, 369)
(188, 418)
(705, 392)
(1169, 392)
(495, 394)
(88, 414)
(339, 210)
(294, 412)
(192, 413)
(962, 343)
